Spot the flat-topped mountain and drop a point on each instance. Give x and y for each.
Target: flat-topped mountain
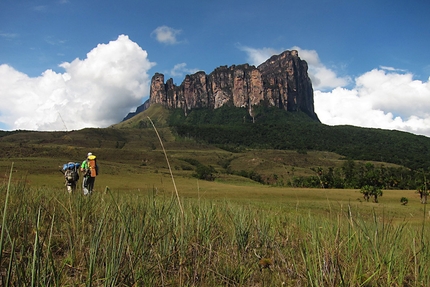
(282, 81)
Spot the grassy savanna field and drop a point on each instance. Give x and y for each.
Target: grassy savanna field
(133, 231)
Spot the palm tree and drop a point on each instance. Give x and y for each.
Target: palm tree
(371, 191)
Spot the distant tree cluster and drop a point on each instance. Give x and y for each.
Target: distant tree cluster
(358, 175)
(371, 180)
(201, 171)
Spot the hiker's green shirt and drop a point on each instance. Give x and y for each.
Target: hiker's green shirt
(84, 165)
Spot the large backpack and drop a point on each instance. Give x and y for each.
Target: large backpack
(92, 165)
(71, 171)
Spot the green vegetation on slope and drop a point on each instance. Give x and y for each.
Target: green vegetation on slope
(157, 113)
(273, 128)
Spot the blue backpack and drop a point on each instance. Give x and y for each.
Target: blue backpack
(71, 171)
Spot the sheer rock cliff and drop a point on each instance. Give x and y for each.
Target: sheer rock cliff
(282, 81)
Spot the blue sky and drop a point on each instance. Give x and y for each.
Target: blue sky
(69, 64)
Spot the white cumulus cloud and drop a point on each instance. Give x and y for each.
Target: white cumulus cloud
(379, 99)
(166, 35)
(94, 92)
(181, 69)
(258, 56)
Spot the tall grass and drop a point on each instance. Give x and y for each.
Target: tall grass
(51, 238)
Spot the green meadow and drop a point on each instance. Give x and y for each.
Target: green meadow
(149, 227)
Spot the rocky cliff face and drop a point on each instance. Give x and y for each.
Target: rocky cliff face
(282, 81)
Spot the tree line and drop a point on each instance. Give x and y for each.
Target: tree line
(357, 175)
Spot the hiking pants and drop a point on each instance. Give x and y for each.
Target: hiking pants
(88, 184)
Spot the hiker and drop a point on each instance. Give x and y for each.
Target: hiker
(71, 175)
(90, 170)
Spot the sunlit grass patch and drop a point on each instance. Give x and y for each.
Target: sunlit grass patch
(234, 236)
